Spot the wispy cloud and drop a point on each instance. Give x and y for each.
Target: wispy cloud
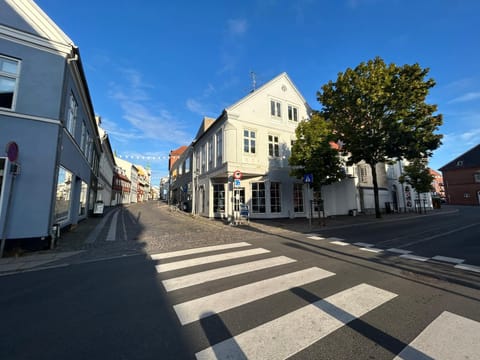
(195, 106)
(453, 145)
(146, 118)
(232, 48)
(465, 98)
(200, 105)
(236, 27)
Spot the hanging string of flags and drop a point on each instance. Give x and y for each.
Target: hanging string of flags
(142, 157)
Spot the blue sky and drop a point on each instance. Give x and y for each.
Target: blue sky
(155, 68)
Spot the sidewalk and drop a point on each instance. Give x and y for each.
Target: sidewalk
(303, 225)
(73, 242)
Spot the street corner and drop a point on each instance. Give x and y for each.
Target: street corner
(35, 261)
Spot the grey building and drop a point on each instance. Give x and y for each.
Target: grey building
(46, 110)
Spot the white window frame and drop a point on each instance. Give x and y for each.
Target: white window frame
(84, 138)
(249, 141)
(298, 201)
(72, 114)
(273, 146)
(203, 158)
(11, 76)
(476, 177)
(275, 108)
(259, 205)
(275, 198)
(292, 113)
(210, 154)
(219, 148)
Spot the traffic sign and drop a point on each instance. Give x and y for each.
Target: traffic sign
(237, 174)
(12, 151)
(308, 178)
(236, 182)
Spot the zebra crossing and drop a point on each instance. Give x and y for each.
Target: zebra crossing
(288, 334)
(402, 253)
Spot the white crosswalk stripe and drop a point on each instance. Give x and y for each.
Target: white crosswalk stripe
(194, 310)
(193, 251)
(288, 334)
(223, 272)
(449, 336)
(209, 259)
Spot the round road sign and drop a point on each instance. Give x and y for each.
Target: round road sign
(12, 151)
(237, 174)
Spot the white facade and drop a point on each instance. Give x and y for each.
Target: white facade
(254, 136)
(403, 197)
(106, 168)
(131, 173)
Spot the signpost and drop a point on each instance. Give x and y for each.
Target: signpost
(308, 179)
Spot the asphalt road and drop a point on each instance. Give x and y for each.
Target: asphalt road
(268, 295)
(454, 234)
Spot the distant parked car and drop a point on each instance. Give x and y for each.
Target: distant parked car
(98, 208)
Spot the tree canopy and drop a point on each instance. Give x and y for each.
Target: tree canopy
(312, 153)
(418, 176)
(380, 113)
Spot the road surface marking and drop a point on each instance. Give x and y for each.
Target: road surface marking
(197, 250)
(371, 249)
(196, 309)
(92, 237)
(341, 243)
(448, 259)
(125, 237)
(449, 336)
(363, 244)
(335, 239)
(399, 251)
(209, 259)
(440, 235)
(112, 232)
(295, 331)
(316, 238)
(220, 273)
(468, 267)
(414, 257)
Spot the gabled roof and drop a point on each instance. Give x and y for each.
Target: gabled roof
(206, 123)
(469, 159)
(175, 155)
(434, 173)
(179, 151)
(33, 20)
(283, 75)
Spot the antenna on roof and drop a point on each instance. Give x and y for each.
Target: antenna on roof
(254, 80)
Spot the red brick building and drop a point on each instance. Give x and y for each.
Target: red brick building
(462, 178)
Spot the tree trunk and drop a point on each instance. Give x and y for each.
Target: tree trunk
(375, 191)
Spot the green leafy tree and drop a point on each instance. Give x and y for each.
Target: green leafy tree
(312, 153)
(380, 113)
(418, 176)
